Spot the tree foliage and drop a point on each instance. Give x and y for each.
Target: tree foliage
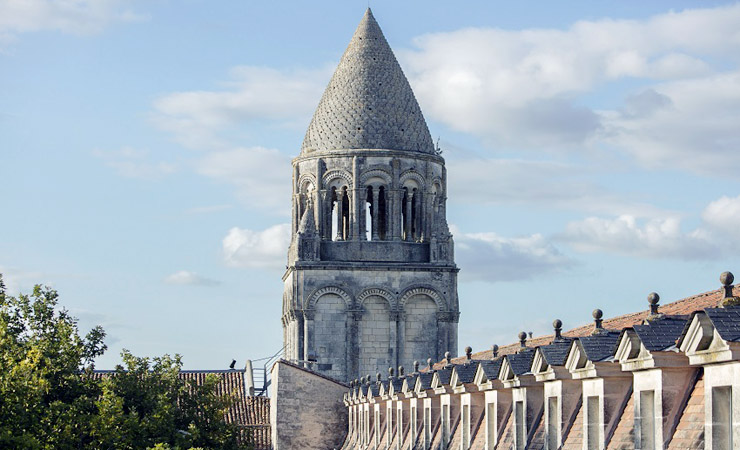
(50, 397)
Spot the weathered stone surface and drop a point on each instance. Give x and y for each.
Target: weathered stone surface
(306, 410)
(368, 103)
(371, 281)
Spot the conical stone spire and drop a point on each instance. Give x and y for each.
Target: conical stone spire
(307, 225)
(368, 103)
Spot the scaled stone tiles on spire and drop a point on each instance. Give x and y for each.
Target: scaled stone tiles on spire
(368, 103)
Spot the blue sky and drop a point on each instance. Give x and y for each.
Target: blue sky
(592, 152)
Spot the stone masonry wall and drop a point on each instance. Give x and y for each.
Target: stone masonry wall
(306, 409)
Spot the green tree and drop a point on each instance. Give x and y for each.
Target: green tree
(50, 398)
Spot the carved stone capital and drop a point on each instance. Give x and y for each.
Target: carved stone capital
(309, 314)
(448, 316)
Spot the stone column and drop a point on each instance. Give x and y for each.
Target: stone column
(401, 336)
(340, 215)
(298, 332)
(409, 199)
(442, 335)
(308, 335)
(376, 213)
(324, 210)
(362, 221)
(349, 225)
(393, 316)
(353, 343)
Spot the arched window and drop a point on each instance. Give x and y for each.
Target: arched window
(375, 217)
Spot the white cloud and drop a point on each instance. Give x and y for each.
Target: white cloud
(80, 17)
(490, 257)
(252, 171)
(189, 278)
(717, 235)
(547, 183)
(257, 249)
(133, 163)
(689, 124)
(256, 95)
(535, 88)
(723, 216)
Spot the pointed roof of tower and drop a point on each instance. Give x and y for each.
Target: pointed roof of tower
(307, 226)
(368, 103)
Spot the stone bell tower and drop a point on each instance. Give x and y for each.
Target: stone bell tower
(371, 281)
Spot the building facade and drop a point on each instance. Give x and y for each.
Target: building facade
(371, 280)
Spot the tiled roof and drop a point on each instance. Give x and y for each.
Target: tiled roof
(426, 380)
(411, 379)
(491, 368)
(726, 321)
(466, 372)
(375, 389)
(660, 334)
(252, 414)
(599, 347)
(681, 307)
(445, 374)
(556, 353)
(397, 383)
(520, 362)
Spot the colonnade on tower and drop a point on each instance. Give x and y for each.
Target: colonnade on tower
(371, 280)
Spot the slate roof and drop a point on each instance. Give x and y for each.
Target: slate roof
(375, 389)
(599, 347)
(658, 335)
(466, 372)
(368, 103)
(397, 383)
(726, 321)
(445, 374)
(411, 380)
(491, 368)
(520, 362)
(426, 380)
(556, 353)
(684, 306)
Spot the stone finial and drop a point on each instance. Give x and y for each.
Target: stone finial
(400, 371)
(390, 372)
(727, 278)
(430, 362)
(522, 341)
(653, 298)
(597, 314)
(378, 377)
(557, 324)
(416, 366)
(369, 379)
(494, 351)
(352, 383)
(448, 358)
(468, 353)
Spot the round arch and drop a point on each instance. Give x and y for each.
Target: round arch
(422, 290)
(377, 292)
(318, 293)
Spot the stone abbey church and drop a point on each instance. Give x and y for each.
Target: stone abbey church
(371, 287)
(371, 279)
